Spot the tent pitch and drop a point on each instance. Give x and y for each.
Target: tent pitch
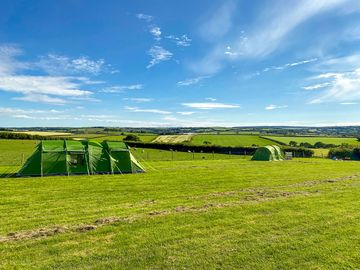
(268, 153)
(62, 157)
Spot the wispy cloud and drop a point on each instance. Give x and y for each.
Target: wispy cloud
(42, 87)
(343, 87)
(39, 98)
(185, 113)
(219, 23)
(192, 81)
(274, 107)
(8, 62)
(210, 105)
(145, 17)
(136, 109)
(156, 32)
(182, 41)
(316, 86)
(60, 65)
(211, 99)
(121, 88)
(139, 100)
(158, 55)
(269, 31)
(289, 65)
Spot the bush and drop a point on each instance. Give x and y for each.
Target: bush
(132, 138)
(340, 153)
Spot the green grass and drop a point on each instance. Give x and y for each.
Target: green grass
(230, 140)
(313, 140)
(186, 214)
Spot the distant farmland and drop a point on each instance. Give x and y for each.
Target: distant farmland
(230, 140)
(173, 138)
(313, 140)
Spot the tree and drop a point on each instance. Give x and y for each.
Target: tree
(132, 137)
(293, 143)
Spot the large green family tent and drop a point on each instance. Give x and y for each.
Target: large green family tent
(268, 153)
(66, 157)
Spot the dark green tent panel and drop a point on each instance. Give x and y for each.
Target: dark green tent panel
(60, 157)
(268, 153)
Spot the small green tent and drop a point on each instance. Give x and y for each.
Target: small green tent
(65, 157)
(268, 153)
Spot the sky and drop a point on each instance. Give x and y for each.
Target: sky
(168, 63)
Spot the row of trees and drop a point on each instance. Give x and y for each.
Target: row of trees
(315, 145)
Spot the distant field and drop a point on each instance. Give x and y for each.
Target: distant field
(230, 140)
(173, 138)
(143, 138)
(313, 140)
(44, 133)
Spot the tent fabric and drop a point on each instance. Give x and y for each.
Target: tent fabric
(268, 153)
(65, 157)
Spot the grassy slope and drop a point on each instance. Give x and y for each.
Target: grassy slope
(313, 140)
(230, 140)
(190, 214)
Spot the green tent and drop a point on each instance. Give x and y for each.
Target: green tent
(268, 153)
(65, 157)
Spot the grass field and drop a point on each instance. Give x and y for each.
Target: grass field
(191, 214)
(173, 138)
(313, 140)
(230, 140)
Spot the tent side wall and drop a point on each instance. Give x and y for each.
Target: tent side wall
(262, 154)
(32, 166)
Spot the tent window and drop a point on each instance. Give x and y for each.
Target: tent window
(76, 159)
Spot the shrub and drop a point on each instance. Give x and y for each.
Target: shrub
(132, 138)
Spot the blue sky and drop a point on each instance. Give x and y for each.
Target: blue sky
(179, 63)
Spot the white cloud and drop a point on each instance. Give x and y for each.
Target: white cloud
(192, 81)
(211, 99)
(26, 113)
(209, 105)
(268, 34)
(158, 54)
(182, 41)
(58, 64)
(343, 87)
(348, 103)
(136, 109)
(219, 23)
(145, 17)
(121, 88)
(8, 63)
(288, 65)
(59, 86)
(316, 86)
(156, 32)
(139, 100)
(185, 113)
(274, 107)
(39, 98)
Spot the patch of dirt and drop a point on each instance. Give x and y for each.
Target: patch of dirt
(85, 228)
(43, 232)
